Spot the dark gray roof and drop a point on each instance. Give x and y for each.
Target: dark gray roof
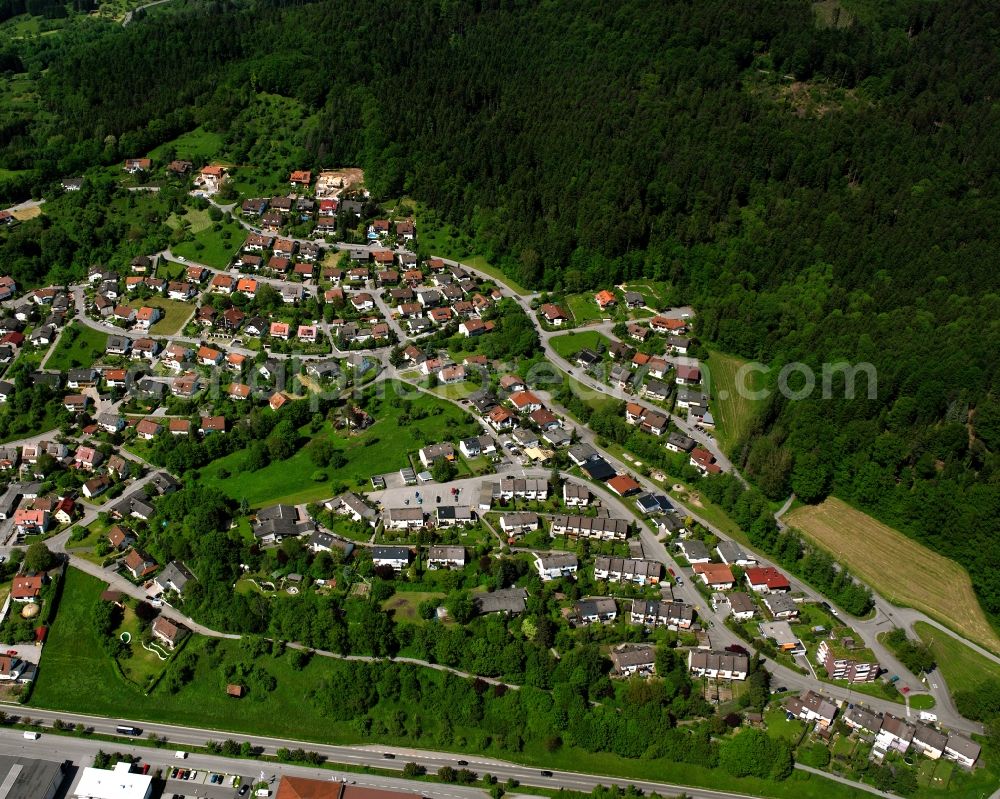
(26, 778)
(507, 600)
(390, 553)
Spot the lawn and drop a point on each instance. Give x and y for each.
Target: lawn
(595, 399)
(733, 409)
(194, 145)
(381, 448)
(922, 701)
(571, 343)
(405, 605)
(143, 667)
(584, 308)
(78, 346)
(897, 567)
(962, 668)
(779, 725)
(174, 314)
(208, 246)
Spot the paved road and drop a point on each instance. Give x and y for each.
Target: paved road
(130, 15)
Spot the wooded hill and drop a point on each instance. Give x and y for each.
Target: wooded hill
(818, 191)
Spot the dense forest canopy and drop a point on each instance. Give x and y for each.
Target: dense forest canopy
(820, 189)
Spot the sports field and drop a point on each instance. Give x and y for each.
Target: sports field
(900, 569)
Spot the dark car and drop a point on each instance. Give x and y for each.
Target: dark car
(463, 762)
(244, 789)
(388, 756)
(545, 773)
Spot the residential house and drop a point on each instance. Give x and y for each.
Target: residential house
(396, 558)
(350, 504)
(962, 750)
(602, 528)
(207, 356)
(605, 299)
(627, 570)
(895, 734)
(174, 577)
(662, 613)
(781, 605)
(147, 429)
(718, 665)
(509, 601)
(443, 557)
(403, 518)
(633, 660)
(212, 424)
(687, 375)
(76, 403)
(87, 458)
(694, 551)
(168, 632)
(118, 467)
(623, 485)
(715, 575)
(733, 554)
(929, 742)
(518, 522)
(661, 324)
(810, 707)
(139, 565)
(767, 579)
(858, 718)
(575, 494)
(433, 452)
(535, 488)
(26, 588)
(556, 565)
(554, 315)
(452, 516)
(677, 442)
(595, 610)
(704, 461)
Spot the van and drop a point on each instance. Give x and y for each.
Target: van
(180, 755)
(32, 736)
(262, 792)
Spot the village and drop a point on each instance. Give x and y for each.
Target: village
(129, 376)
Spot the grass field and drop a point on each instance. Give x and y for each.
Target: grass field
(899, 568)
(193, 145)
(208, 246)
(571, 343)
(78, 346)
(405, 606)
(963, 668)
(175, 314)
(584, 308)
(732, 408)
(381, 448)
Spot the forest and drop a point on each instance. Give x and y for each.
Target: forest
(821, 191)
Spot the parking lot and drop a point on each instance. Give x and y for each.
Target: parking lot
(191, 783)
